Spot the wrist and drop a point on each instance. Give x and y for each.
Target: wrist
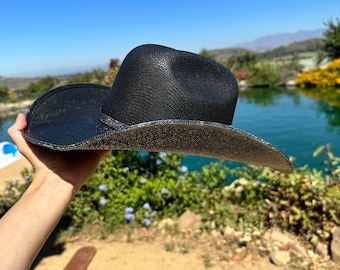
(52, 186)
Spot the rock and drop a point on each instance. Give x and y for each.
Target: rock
(189, 222)
(274, 237)
(321, 249)
(297, 248)
(229, 231)
(335, 245)
(240, 255)
(280, 257)
(165, 223)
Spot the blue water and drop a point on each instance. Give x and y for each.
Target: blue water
(292, 122)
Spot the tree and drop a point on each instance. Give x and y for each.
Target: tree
(245, 61)
(35, 89)
(206, 53)
(4, 93)
(332, 39)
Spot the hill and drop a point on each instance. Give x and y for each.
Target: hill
(272, 41)
(308, 47)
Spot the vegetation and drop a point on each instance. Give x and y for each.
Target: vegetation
(140, 187)
(35, 89)
(6, 94)
(331, 45)
(321, 77)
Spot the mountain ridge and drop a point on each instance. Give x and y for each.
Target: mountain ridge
(269, 42)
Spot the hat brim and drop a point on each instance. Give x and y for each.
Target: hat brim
(72, 124)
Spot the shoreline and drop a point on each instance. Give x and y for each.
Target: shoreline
(12, 108)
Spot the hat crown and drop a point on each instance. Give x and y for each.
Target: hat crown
(160, 83)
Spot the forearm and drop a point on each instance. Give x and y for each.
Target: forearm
(25, 228)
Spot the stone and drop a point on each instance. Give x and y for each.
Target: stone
(335, 245)
(274, 237)
(189, 222)
(279, 257)
(321, 249)
(166, 223)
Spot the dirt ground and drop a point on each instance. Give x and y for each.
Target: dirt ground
(149, 254)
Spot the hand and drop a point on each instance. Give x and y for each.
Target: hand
(75, 167)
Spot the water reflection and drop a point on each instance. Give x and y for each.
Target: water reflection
(268, 96)
(328, 103)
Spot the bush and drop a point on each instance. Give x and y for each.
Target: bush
(35, 89)
(321, 77)
(138, 188)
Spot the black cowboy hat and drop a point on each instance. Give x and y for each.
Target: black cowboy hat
(161, 100)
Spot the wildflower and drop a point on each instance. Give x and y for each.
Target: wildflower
(158, 161)
(126, 169)
(103, 201)
(129, 210)
(162, 155)
(27, 178)
(146, 206)
(164, 191)
(184, 169)
(142, 180)
(102, 187)
(8, 187)
(153, 213)
(129, 217)
(147, 222)
(16, 182)
(70, 228)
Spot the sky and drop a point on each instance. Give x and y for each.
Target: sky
(46, 37)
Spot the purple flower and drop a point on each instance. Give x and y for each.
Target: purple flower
(70, 228)
(147, 222)
(184, 169)
(153, 213)
(143, 180)
(16, 182)
(129, 217)
(158, 161)
(102, 201)
(27, 178)
(162, 154)
(164, 191)
(128, 210)
(102, 187)
(126, 169)
(146, 206)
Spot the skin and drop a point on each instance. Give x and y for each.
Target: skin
(58, 176)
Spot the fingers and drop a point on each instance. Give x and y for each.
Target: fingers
(15, 130)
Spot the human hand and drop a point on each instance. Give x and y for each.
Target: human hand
(75, 167)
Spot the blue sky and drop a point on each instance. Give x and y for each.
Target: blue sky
(41, 37)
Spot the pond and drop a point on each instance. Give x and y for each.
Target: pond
(294, 123)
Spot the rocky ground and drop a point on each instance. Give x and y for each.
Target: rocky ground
(181, 245)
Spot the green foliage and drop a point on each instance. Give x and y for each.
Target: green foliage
(96, 76)
(331, 44)
(245, 61)
(35, 89)
(206, 53)
(5, 93)
(137, 188)
(264, 73)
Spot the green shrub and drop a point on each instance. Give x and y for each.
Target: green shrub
(137, 188)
